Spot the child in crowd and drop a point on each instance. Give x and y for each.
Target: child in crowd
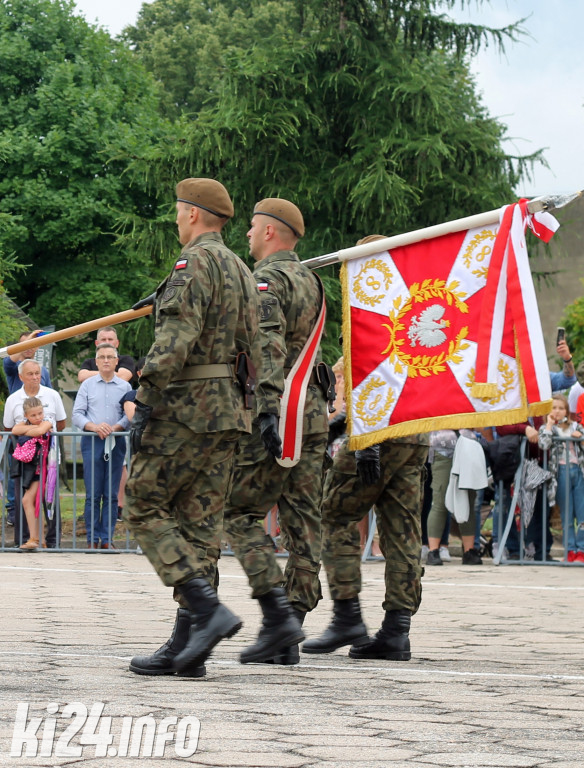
(34, 436)
(571, 504)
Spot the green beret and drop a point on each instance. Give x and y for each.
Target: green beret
(208, 194)
(282, 210)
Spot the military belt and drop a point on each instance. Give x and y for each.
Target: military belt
(211, 371)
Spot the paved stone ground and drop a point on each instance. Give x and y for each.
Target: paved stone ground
(497, 677)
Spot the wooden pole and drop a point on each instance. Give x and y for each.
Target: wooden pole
(75, 330)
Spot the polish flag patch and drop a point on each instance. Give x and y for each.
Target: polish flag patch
(263, 286)
(181, 264)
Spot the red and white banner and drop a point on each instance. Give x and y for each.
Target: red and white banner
(445, 333)
(294, 396)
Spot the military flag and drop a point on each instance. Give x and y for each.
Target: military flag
(445, 333)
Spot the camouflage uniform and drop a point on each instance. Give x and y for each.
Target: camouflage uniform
(397, 497)
(207, 311)
(290, 304)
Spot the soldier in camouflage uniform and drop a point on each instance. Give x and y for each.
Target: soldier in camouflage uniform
(391, 477)
(291, 300)
(190, 412)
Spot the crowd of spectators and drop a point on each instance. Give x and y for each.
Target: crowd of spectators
(105, 470)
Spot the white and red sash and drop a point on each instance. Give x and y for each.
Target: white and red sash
(294, 397)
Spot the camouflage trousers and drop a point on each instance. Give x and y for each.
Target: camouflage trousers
(175, 495)
(259, 483)
(397, 498)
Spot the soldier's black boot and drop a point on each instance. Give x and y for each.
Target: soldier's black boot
(392, 642)
(346, 627)
(212, 623)
(291, 654)
(280, 628)
(160, 663)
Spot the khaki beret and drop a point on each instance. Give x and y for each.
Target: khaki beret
(282, 210)
(370, 239)
(208, 194)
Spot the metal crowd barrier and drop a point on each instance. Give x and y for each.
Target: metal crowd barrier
(63, 524)
(527, 548)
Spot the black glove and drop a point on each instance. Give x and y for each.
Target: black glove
(148, 301)
(337, 427)
(141, 416)
(368, 465)
(269, 432)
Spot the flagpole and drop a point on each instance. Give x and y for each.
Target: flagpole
(548, 203)
(75, 330)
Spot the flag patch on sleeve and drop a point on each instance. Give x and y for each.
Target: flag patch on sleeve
(181, 264)
(263, 286)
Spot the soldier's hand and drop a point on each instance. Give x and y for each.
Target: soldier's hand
(269, 432)
(139, 421)
(368, 465)
(148, 301)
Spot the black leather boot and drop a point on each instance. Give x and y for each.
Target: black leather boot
(346, 627)
(392, 642)
(280, 628)
(213, 622)
(160, 663)
(291, 654)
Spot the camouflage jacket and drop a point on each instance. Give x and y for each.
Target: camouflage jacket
(291, 299)
(207, 310)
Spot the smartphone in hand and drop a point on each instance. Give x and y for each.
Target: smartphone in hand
(561, 335)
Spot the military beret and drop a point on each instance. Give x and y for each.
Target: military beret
(208, 194)
(370, 239)
(282, 210)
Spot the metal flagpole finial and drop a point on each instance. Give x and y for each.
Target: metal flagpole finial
(552, 202)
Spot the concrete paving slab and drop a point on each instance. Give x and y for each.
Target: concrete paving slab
(496, 678)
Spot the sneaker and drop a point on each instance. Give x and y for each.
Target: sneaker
(571, 556)
(444, 554)
(471, 557)
(434, 557)
(579, 557)
(425, 550)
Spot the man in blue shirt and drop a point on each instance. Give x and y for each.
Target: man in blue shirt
(97, 409)
(12, 362)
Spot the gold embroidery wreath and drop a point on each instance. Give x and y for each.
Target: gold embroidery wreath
(467, 259)
(425, 365)
(382, 267)
(508, 382)
(373, 419)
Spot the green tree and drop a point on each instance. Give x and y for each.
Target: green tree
(75, 107)
(362, 112)
(574, 324)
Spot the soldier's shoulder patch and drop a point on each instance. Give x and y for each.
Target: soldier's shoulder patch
(181, 264)
(263, 286)
(267, 307)
(169, 294)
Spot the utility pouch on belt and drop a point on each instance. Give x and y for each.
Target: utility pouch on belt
(326, 380)
(245, 373)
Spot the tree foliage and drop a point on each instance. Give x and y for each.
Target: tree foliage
(75, 107)
(362, 112)
(574, 324)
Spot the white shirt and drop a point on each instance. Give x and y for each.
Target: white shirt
(53, 407)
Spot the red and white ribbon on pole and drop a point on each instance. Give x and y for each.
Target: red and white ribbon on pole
(509, 283)
(294, 397)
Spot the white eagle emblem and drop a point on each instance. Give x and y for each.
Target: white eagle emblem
(427, 330)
